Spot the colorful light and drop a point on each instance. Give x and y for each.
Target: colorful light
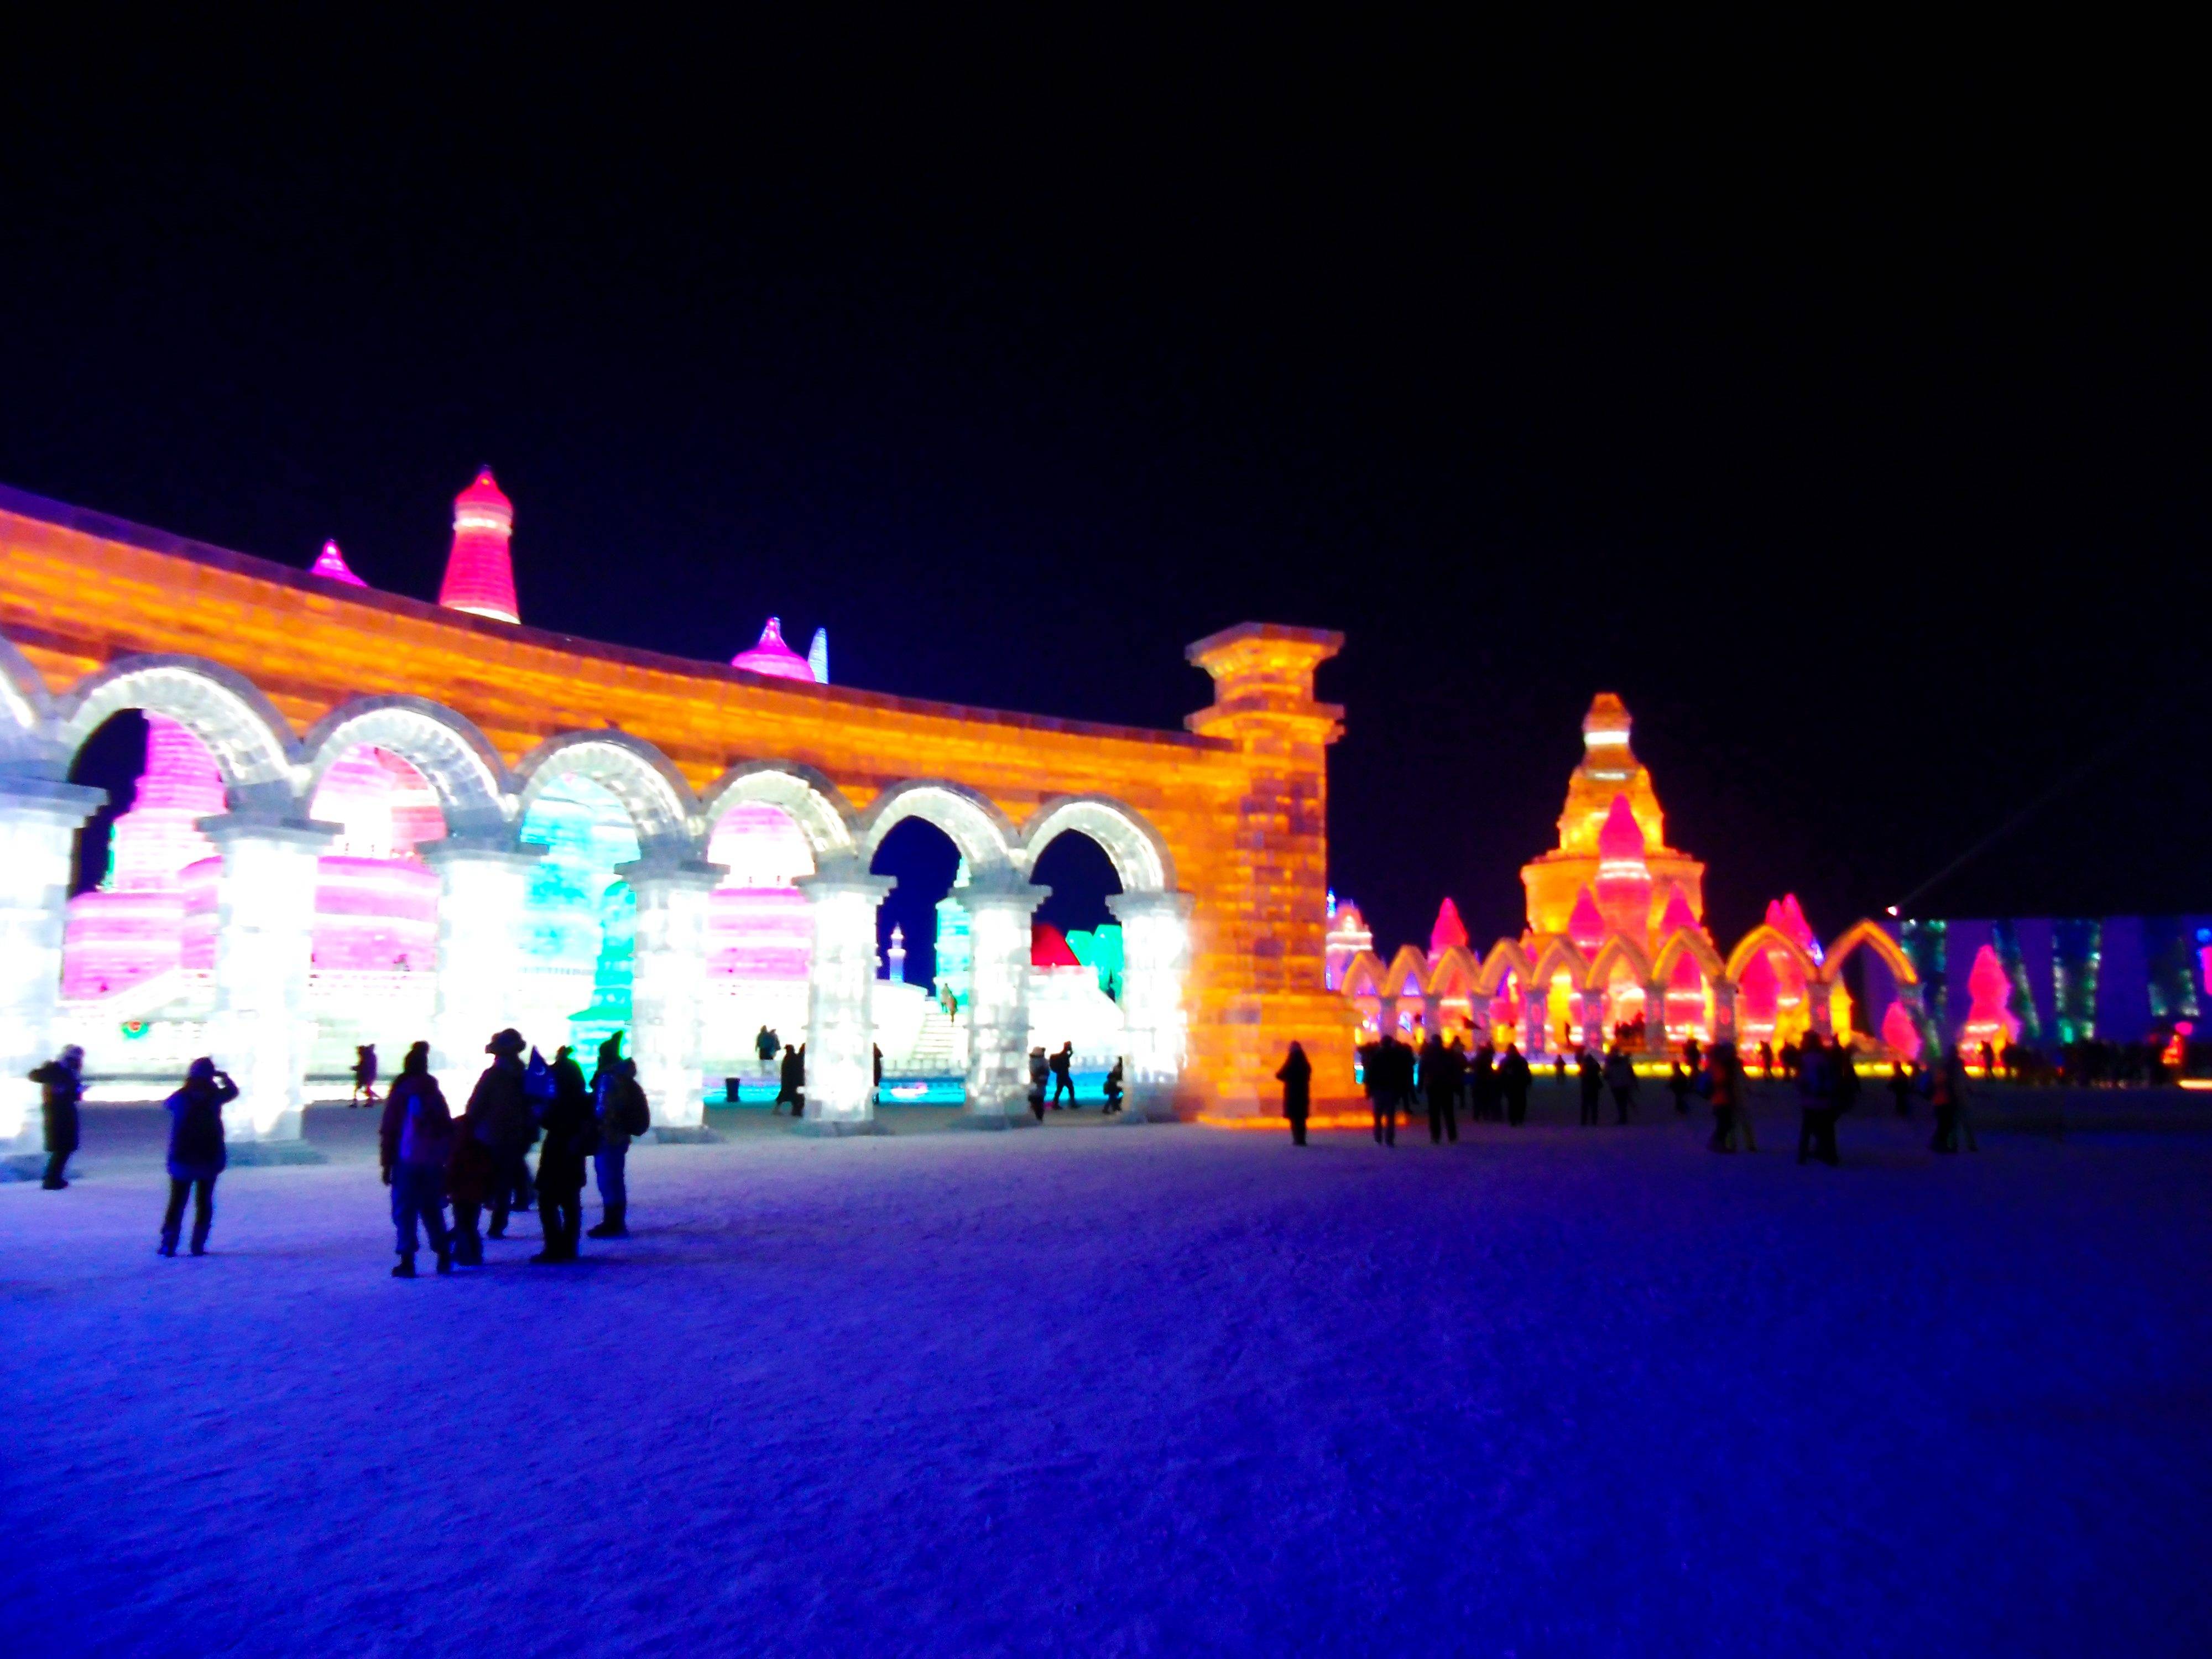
(1448, 933)
(773, 658)
(331, 563)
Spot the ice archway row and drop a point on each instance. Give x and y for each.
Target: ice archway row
(271, 772)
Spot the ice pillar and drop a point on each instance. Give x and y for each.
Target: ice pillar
(1818, 1008)
(668, 993)
(1155, 955)
(841, 992)
(1000, 908)
(1593, 1020)
(481, 893)
(1723, 1012)
(265, 944)
(38, 822)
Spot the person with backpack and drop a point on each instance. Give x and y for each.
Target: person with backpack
(499, 1110)
(415, 1140)
(61, 1084)
(197, 1154)
(571, 1134)
(620, 1113)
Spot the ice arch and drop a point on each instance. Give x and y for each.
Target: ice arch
(823, 814)
(457, 761)
(26, 710)
(660, 803)
(1140, 859)
(251, 743)
(983, 834)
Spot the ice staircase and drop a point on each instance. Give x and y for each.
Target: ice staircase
(937, 1046)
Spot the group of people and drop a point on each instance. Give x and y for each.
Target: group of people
(430, 1158)
(1399, 1079)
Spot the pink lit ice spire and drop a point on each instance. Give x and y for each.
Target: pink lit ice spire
(1787, 917)
(1450, 930)
(1678, 916)
(1624, 880)
(773, 657)
(331, 563)
(480, 571)
(1586, 927)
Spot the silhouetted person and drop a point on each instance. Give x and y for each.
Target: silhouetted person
(1946, 1097)
(765, 1045)
(1690, 1054)
(571, 1136)
(791, 1086)
(61, 1085)
(1040, 1069)
(1063, 1075)
(1989, 1061)
(1114, 1090)
(1620, 1079)
(1592, 1079)
(1296, 1075)
(1843, 1084)
(415, 1141)
(364, 1076)
(1681, 1083)
(1513, 1080)
(619, 1114)
(1441, 1071)
(1383, 1097)
(1560, 1068)
(1900, 1087)
(875, 1082)
(1816, 1107)
(469, 1172)
(1482, 1083)
(499, 1115)
(1766, 1060)
(1727, 1088)
(198, 1153)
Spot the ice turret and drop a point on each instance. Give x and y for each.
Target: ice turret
(331, 563)
(1450, 930)
(480, 570)
(773, 658)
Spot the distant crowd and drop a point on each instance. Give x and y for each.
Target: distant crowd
(1490, 1084)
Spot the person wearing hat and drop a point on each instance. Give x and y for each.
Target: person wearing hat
(499, 1114)
(62, 1080)
(197, 1151)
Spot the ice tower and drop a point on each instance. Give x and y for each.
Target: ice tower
(480, 570)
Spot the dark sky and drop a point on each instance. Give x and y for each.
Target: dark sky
(1849, 421)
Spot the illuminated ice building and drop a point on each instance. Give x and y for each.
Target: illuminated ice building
(1616, 948)
(365, 817)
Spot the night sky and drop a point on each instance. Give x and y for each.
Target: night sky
(1851, 422)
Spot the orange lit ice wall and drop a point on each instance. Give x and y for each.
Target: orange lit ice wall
(347, 779)
(1616, 949)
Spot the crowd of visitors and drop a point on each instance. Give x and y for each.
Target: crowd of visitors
(1399, 1077)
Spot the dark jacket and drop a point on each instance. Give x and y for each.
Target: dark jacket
(64, 1089)
(197, 1151)
(1296, 1075)
(1513, 1075)
(571, 1133)
(498, 1110)
(418, 1129)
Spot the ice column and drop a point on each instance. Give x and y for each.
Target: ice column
(265, 944)
(668, 992)
(481, 895)
(999, 906)
(1155, 955)
(38, 822)
(841, 989)
(1723, 1012)
(1593, 1021)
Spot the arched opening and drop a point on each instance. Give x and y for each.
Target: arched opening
(580, 917)
(138, 941)
(372, 973)
(760, 944)
(926, 980)
(1077, 961)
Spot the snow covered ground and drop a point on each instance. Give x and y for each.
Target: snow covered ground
(1153, 1391)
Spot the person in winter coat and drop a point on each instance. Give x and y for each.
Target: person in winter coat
(792, 1083)
(571, 1136)
(364, 1075)
(61, 1080)
(1039, 1068)
(1591, 1077)
(1620, 1079)
(1113, 1089)
(1514, 1077)
(469, 1172)
(619, 1112)
(415, 1141)
(1947, 1097)
(1816, 1106)
(1381, 1074)
(1443, 1069)
(1727, 1084)
(1681, 1084)
(1296, 1075)
(499, 1115)
(765, 1044)
(197, 1151)
(1063, 1077)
